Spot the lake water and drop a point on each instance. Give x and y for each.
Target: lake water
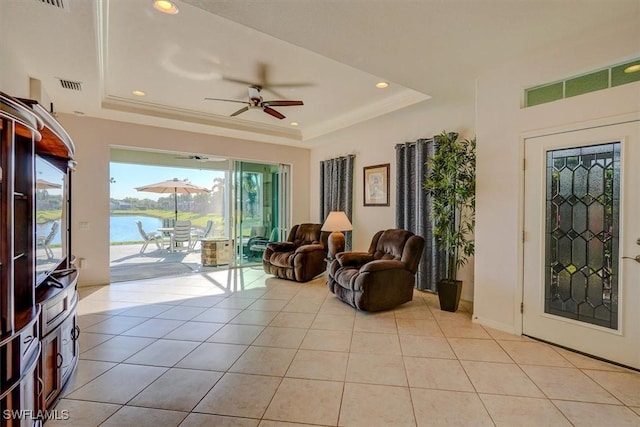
(124, 228)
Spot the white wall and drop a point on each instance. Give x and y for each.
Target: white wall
(12, 81)
(501, 124)
(93, 138)
(373, 142)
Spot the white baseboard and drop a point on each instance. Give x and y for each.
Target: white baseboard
(504, 327)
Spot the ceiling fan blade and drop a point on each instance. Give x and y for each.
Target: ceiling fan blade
(281, 103)
(263, 73)
(273, 112)
(240, 111)
(273, 91)
(301, 84)
(227, 100)
(271, 87)
(232, 80)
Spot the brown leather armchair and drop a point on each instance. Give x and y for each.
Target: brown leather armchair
(301, 258)
(381, 278)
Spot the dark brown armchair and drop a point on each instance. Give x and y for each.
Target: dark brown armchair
(381, 278)
(301, 257)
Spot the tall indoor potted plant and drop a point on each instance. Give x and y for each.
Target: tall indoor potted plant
(451, 183)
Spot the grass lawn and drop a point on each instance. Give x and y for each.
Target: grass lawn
(197, 219)
(47, 216)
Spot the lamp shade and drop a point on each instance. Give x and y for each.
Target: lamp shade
(337, 221)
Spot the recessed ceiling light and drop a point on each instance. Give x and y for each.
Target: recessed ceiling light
(138, 93)
(294, 123)
(382, 85)
(632, 68)
(166, 6)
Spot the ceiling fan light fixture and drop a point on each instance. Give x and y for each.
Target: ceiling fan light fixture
(294, 124)
(165, 6)
(382, 85)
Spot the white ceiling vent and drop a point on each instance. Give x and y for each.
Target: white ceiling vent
(71, 85)
(62, 4)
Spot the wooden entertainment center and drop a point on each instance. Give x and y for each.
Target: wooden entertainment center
(38, 279)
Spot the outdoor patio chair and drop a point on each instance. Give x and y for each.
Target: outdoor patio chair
(181, 234)
(196, 236)
(257, 231)
(258, 244)
(43, 242)
(152, 236)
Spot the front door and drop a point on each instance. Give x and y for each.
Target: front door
(582, 233)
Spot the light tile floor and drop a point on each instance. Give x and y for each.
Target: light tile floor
(240, 348)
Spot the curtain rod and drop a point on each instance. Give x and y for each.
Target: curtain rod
(415, 142)
(340, 157)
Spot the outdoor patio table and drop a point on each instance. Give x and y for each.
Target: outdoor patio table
(164, 231)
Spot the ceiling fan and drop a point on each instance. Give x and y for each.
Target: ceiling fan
(199, 158)
(256, 101)
(263, 80)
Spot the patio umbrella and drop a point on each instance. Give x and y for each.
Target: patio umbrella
(42, 184)
(174, 186)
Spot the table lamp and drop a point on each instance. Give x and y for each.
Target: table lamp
(336, 222)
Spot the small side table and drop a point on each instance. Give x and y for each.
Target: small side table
(215, 252)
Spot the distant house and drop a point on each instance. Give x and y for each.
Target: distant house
(119, 204)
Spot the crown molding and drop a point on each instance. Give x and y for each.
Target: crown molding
(190, 116)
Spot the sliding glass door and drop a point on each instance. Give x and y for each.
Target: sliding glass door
(261, 208)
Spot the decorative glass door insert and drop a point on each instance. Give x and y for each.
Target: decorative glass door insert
(582, 226)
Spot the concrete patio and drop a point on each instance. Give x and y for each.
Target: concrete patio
(127, 263)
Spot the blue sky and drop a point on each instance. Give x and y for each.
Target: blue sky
(128, 176)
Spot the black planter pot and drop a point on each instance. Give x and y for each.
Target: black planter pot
(449, 294)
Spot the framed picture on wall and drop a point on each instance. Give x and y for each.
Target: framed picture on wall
(376, 185)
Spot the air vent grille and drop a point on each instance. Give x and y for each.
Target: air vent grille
(71, 85)
(62, 4)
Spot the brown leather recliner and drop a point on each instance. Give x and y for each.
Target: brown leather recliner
(381, 278)
(301, 258)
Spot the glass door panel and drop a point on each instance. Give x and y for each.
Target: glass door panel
(583, 205)
(283, 203)
(258, 209)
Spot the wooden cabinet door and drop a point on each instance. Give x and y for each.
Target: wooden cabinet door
(29, 398)
(51, 363)
(68, 347)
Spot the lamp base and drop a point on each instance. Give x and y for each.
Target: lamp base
(335, 243)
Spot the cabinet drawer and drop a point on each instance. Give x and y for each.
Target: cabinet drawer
(55, 310)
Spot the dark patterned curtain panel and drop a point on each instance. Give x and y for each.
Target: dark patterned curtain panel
(413, 208)
(336, 189)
